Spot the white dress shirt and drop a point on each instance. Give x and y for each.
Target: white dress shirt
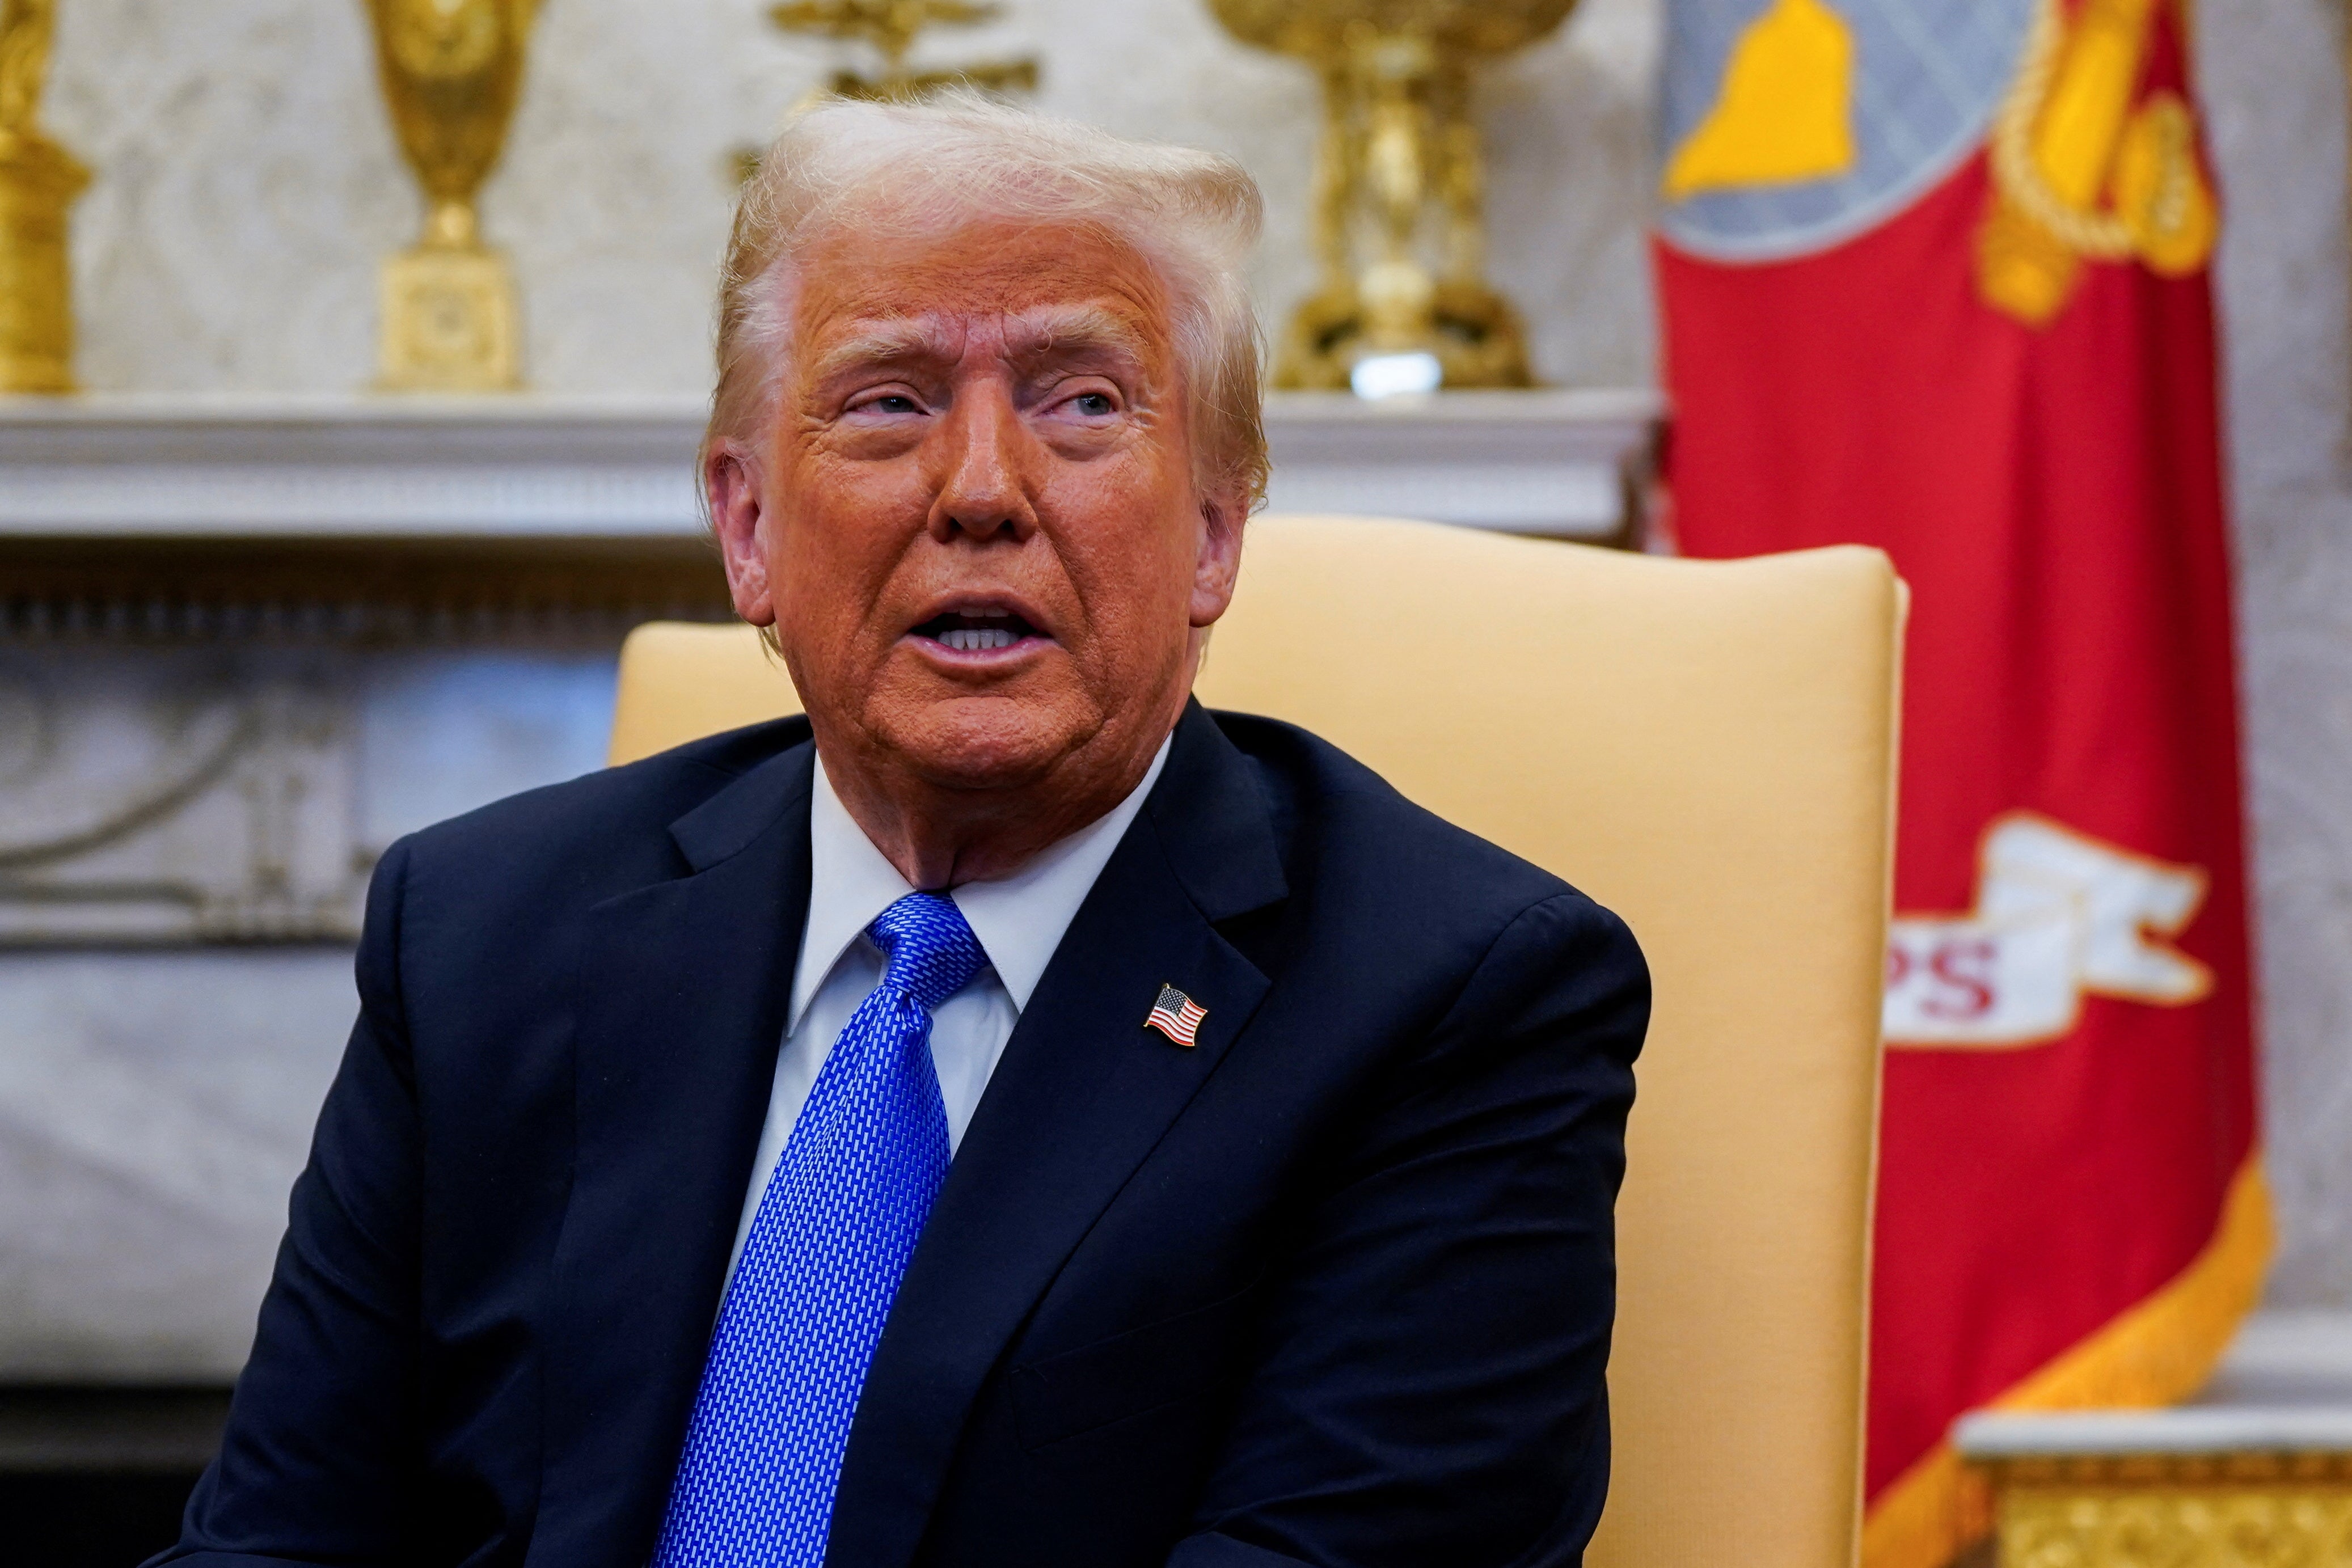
(1019, 920)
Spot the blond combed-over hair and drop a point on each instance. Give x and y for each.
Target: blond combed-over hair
(906, 170)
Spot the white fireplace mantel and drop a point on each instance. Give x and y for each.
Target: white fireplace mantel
(1565, 464)
(1559, 462)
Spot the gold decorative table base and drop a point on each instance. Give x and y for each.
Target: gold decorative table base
(2235, 1511)
(451, 321)
(2194, 1487)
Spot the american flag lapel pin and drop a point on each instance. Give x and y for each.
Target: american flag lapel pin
(1176, 1015)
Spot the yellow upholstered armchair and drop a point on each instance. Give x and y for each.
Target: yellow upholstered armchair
(1708, 748)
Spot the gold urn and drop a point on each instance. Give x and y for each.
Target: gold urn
(39, 181)
(1399, 187)
(452, 71)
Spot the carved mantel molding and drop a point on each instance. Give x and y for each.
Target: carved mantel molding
(200, 796)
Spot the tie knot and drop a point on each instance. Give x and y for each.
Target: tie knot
(931, 949)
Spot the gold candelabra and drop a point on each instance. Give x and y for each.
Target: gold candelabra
(452, 71)
(39, 181)
(891, 27)
(1400, 184)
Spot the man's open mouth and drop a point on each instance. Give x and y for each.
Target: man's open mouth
(976, 631)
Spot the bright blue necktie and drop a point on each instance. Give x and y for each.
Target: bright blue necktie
(835, 1229)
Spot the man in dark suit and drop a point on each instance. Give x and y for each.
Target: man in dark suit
(1012, 1116)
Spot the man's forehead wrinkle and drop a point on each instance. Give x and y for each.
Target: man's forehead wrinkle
(1028, 338)
(984, 267)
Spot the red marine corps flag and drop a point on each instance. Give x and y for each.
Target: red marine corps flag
(1934, 278)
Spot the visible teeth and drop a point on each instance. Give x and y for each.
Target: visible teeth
(976, 640)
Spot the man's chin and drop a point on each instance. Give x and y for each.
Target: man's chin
(984, 742)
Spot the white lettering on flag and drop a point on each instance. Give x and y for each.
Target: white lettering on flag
(2059, 914)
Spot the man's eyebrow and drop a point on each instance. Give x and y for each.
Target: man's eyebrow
(885, 343)
(1072, 330)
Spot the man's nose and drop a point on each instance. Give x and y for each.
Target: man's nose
(980, 493)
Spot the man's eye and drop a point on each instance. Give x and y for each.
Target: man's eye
(890, 402)
(1094, 405)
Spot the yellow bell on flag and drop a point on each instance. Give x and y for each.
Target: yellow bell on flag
(1785, 113)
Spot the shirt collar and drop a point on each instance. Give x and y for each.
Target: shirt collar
(1019, 919)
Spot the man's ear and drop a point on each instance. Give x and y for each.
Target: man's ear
(1219, 562)
(731, 481)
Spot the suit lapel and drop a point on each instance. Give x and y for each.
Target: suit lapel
(683, 989)
(1079, 1099)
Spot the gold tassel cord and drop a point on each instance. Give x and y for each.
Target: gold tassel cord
(2017, 160)
(2067, 134)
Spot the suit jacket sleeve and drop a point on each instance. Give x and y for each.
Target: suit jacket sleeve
(1428, 1382)
(313, 1465)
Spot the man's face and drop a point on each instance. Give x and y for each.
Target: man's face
(973, 522)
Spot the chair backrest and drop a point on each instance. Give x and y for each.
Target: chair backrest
(1708, 748)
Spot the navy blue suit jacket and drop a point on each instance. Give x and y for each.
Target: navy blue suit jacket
(1333, 1287)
